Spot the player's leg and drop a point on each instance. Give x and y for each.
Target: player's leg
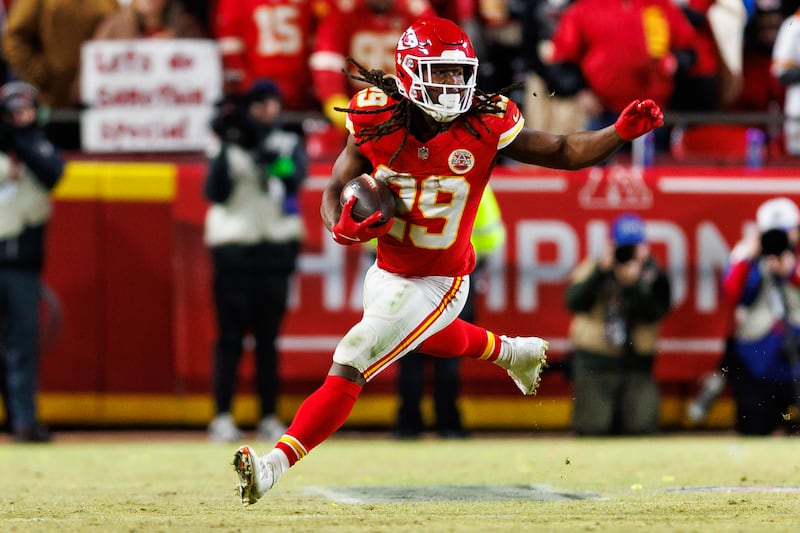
(523, 358)
(399, 313)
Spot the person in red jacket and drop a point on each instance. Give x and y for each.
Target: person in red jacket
(269, 39)
(605, 52)
(434, 139)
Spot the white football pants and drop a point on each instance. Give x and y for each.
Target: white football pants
(399, 314)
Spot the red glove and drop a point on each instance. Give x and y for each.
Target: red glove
(638, 118)
(347, 231)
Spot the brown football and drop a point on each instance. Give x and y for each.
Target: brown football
(371, 195)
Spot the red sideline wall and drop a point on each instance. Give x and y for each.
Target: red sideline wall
(127, 261)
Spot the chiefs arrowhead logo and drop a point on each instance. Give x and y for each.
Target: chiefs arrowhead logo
(408, 40)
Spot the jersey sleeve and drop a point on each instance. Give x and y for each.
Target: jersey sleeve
(227, 27)
(328, 59)
(512, 123)
(369, 99)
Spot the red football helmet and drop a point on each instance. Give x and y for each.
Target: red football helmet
(431, 42)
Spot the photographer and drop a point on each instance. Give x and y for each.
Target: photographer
(762, 282)
(253, 229)
(618, 302)
(29, 169)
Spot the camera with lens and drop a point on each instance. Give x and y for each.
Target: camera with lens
(774, 242)
(233, 122)
(624, 253)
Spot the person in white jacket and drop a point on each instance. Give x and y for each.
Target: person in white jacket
(254, 230)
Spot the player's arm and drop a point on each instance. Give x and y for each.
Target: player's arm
(585, 148)
(228, 24)
(573, 151)
(348, 165)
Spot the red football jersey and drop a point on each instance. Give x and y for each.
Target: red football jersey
(270, 39)
(439, 182)
(368, 37)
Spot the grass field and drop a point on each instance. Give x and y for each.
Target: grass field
(354, 483)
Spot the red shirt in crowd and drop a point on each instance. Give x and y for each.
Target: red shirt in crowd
(270, 39)
(623, 47)
(368, 37)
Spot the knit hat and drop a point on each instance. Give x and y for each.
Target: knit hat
(263, 89)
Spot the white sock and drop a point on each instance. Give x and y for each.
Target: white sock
(279, 461)
(504, 357)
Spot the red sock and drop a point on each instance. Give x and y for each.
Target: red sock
(319, 416)
(462, 339)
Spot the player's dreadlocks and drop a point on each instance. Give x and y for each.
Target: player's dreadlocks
(401, 111)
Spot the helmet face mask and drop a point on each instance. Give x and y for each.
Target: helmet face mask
(426, 46)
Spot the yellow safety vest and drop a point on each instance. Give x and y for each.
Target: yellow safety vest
(489, 232)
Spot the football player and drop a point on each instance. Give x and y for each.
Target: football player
(435, 141)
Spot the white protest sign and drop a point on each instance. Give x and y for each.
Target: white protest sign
(148, 94)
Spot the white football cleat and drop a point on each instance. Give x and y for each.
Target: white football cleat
(256, 476)
(528, 359)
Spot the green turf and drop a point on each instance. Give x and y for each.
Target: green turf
(680, 483)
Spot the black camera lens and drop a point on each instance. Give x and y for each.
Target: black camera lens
(774, 242)
(624, 253)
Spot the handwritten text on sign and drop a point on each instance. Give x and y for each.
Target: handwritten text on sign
(148, 94)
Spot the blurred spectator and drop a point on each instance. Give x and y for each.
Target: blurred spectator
(544, 109)
(29, 169)
(254, 231)
(711, 82)
(202, 11)
(761, 91)
(774, 214)
(270, 39)
(156, 19)
(465, 13)
(786, 67)
(368, 33)
(42, 45)
(618, 302)
(501, 54)
(488, 235)
(763, 283)
(588, 61)
(5, 74)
